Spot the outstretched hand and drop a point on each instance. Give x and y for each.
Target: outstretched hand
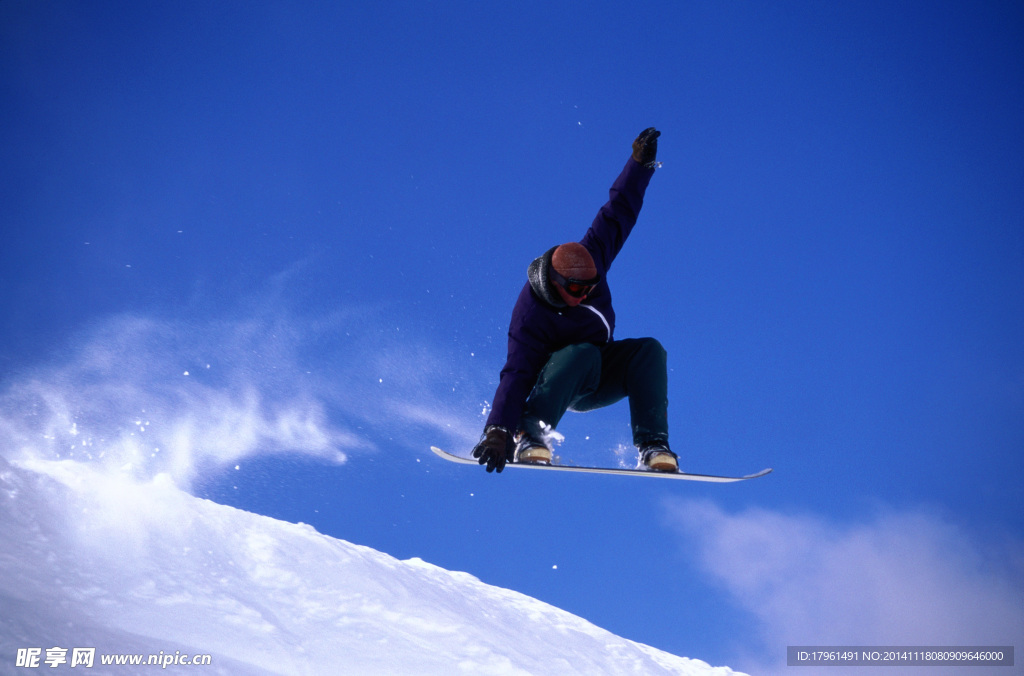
(496, 447)
(645, 147)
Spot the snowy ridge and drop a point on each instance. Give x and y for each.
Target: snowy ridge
(93, 560)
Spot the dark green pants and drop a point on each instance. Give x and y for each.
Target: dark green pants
(585, 377)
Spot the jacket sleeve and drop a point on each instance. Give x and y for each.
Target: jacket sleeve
(527, 353)
(616, 218)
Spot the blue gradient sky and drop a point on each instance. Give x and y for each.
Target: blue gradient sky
(322, 213)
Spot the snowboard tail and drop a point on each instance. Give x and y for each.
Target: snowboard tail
(684, 476)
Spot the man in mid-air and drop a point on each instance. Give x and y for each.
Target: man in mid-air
(562, 354)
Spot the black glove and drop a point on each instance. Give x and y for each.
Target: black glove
(645, 147)
(496, 447)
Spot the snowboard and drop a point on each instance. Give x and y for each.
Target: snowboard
(685, 476)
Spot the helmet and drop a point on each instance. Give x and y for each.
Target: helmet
(573, 269)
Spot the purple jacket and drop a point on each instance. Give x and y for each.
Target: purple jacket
(542, 324)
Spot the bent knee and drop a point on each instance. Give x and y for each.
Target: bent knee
(653, 347)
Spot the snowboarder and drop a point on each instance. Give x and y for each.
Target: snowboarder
(562, 354)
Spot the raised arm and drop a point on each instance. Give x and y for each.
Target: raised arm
(615, 220)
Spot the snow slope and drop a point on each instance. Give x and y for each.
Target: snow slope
(90, 559)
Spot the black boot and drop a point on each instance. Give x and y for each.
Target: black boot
(531, 449)
(657, 456)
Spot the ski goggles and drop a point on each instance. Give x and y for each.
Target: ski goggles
(577, 288)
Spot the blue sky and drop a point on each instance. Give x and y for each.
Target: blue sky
(323, 214)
